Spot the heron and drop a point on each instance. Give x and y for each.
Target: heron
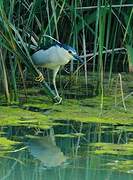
(53, 58)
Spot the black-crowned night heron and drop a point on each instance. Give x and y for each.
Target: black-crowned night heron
(54, 57)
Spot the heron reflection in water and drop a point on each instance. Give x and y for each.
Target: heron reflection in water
(46, 151)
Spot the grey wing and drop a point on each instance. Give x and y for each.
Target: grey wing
(41, 58)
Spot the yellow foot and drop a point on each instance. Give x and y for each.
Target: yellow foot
(59, 99)
(39, 78)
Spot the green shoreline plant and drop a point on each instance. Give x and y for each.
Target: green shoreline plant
(93, 28)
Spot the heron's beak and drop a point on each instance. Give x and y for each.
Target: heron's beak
(76, 57)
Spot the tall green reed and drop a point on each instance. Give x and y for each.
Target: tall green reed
(89, 26)
(12, 41)
(4, 75)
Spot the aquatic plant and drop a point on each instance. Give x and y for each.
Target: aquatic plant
(100, 30)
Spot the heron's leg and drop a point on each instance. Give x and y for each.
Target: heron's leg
(55, 71)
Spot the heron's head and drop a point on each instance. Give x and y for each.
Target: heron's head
(71, 52)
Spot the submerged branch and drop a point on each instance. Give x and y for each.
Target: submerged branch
(108, 6)
(104, 52)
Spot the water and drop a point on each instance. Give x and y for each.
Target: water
(69, 151)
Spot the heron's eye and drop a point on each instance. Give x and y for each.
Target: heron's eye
(70, 52)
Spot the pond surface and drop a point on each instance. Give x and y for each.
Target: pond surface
(68, 151)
